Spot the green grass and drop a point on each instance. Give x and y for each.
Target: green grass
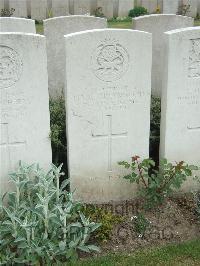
(172, 255)
(120, 24)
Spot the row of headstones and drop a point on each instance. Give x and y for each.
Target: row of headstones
(42, 9)
(56, 28)
(108, 95)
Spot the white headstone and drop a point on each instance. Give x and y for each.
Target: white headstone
(81, 7)
(124, 7)
(20, 7)
(60, 7)
(54, 30)
(10, 24)
(38, 9)
(192, 12)
(24, 103)
(157, 25)
(170, 6)
(108, 109)
(180, 123)
(107, 7)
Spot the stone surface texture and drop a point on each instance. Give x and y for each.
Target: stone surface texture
(108, 109)
(54, 30)
(157, 25)
(24, 103)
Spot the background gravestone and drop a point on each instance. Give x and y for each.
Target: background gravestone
(157, 25)
(60, 7)
(54, 30)
(24, 103)
(180, 123)
(82, 7)
(9, 24)
(1, 5)
(39, 9)
(170, 6)
(107, 7)
(124, 7)
(108, 109)
(20, 7)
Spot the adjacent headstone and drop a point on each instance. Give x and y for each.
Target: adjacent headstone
(157, 24)
(20, 7)
(81, 7)
(54, 30)
(60, 8)
(170, 6)
(180, 122)
(24, 103)
(192, 11)
(108, 109)
(107, 7)
(9, 24)
(124, 7)
(38, 9)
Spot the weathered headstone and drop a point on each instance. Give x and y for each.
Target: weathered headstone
(170, 6)
(192, 11)
(180, 122)
(60, 7)
(108, 109)
(157, 25)
(38, 9)
(54, 30)
(81, 7)
(107, 7)
(20, 7)
(24, 103)
(9, 24)
(124, 7)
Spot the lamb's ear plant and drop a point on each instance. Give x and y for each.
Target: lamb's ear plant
(40, 222)
(156, 185)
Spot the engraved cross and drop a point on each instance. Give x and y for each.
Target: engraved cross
(110, 136)
(193, 128)
(8, 145)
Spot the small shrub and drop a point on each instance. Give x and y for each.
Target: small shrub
(141, 224)
(40, 223)
(7, 12)
(137, 11)
(184, 9)
(99, 12)
(157, 185)
(155, 128)
(107, 219)
(58, 131)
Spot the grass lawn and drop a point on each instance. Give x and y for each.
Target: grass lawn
(172, 255)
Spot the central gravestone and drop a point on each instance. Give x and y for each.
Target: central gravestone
(108, 108)
(24, 104)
